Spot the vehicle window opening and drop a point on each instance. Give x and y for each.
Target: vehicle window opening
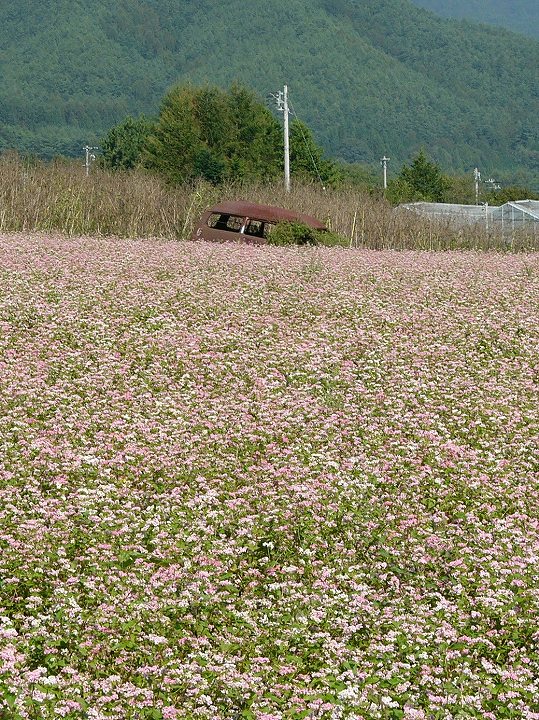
(255, 228)
(220, 221)
(259, 228)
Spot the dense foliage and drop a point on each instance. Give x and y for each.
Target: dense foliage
(218, 136)
(123, 145)
(268, 484)
(213, 134)
(421, 180)
(368, 78)
(511, 192)
(297, 233)
(518, 15)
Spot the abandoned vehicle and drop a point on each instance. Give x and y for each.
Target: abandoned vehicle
(246, 222)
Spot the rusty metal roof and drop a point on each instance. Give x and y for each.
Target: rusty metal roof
(265, 212)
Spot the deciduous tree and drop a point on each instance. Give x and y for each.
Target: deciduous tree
(123, 145)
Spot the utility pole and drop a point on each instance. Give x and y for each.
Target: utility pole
(90, 157)
(383, 162)
(477, 178)
(282, 105)
(286, 141)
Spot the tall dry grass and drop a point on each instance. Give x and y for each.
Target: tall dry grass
(60, 197)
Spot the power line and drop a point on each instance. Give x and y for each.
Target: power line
(308, 148)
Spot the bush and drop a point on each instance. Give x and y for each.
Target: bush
(292, 233)
(297, 233)
(330, 239)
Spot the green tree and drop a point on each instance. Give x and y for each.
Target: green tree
(176, 142)
(507, 194)
(307, 158)
(256, 150)
(123, 145)
(214, 134)
(460, 189)
(209, 166)
(421, 180)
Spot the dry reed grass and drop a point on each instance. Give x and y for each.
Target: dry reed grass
(59, 197)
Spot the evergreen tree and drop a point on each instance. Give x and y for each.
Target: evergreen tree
(422, 180)
(256, 150)
(218, 135)
(209, 166)
(176, 142)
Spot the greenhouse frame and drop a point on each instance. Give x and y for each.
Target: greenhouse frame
(505, 219)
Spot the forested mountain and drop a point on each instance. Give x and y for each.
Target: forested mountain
(518, 15)
(369, 76)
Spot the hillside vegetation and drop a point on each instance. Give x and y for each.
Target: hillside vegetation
(369, 78)
(518, 15)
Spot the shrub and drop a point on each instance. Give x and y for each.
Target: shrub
(330, 239)
(292, 233)
(297, 233)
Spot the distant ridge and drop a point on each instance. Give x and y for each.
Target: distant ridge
(518, 15)
(369, 76)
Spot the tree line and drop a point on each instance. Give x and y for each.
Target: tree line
(405, 78)
(223, 136)
(216, 135)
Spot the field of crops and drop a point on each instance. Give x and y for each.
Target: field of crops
(247, 483)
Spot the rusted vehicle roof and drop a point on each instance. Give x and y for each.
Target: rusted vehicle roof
(246, 221)
(266, 212)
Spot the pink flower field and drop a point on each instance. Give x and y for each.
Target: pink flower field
(244, 483)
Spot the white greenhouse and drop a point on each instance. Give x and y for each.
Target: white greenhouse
(505, 219)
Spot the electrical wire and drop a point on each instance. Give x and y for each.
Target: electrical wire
(307, 145)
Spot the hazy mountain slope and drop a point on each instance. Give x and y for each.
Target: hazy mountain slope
(518, 15)
(369, 77)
